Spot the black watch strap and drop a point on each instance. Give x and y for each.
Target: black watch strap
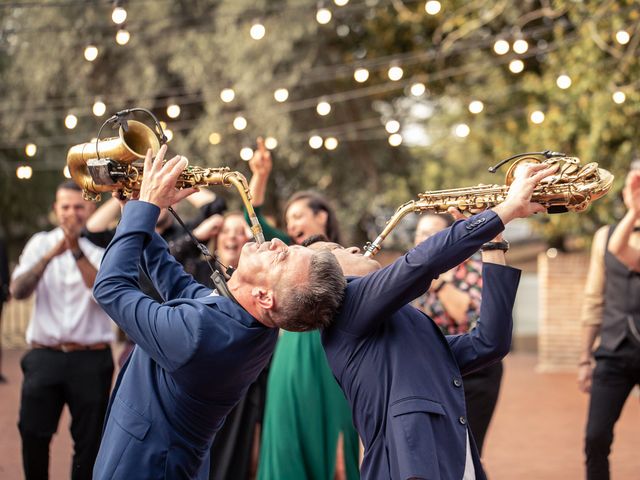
(503, 245)
(77, 255)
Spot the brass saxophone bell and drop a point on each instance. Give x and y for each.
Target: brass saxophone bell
(89, 161)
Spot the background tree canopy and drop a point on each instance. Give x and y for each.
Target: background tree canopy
(460, 102)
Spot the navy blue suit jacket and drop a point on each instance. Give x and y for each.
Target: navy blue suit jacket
(401, 376)
(195, 356)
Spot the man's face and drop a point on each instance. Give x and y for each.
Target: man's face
(71, 209)
(428, 226)
(303, 223)
(274, 262)
(353, 262)
(231, 239)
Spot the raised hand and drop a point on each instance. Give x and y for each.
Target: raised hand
(260, 163)
(631, 192)
(518, 203)
(159, 179)
(209, 228)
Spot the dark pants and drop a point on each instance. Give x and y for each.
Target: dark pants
(80, 379)
(232, 449)
(481, 391)
(613, 378)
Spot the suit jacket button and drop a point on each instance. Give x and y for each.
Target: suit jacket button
(462, 420)
(457, 382)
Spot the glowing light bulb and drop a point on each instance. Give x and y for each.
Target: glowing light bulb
(257, 31)
(395, 73)
(173, 111)
(563, 81)
(520, 46)
(619, 97)
(462, 130)
(119, 15)
(432, 7)
(418, 89)
(246, 153)
(361, 75)
(99, 108)
(227, 95)
(24, 172)
(315, 142)
(239, 123)
(537, 117)
(215, 138)
(501, 47)
(395, 140)
(392, 126)
(330, 143)
(341, 3)
(271, 143)
(122, 37)
(323, 16)
(623, 37)
(281, 95)
(71, 121)
(516, 66)
(30, 149)
(323, 108)
(476, 106)
(91, 53)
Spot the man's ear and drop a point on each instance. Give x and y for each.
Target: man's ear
(263, 297)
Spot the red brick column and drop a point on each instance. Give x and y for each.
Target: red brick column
(562, 280)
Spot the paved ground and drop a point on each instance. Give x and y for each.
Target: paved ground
(536, 433)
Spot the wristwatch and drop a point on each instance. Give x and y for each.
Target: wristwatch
(77, 254)
(503, 245)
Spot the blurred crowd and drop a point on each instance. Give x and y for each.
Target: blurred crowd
(294, 421)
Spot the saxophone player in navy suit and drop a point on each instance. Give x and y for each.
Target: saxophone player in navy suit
(198, 352)
(400, 374)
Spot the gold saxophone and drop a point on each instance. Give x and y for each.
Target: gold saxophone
(572, 188)
(114, 164)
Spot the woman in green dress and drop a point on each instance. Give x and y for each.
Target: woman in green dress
(308, 432)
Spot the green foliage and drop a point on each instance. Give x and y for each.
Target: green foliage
(186, 52)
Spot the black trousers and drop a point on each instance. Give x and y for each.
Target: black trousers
(81, 380)
(481, 391)
(613, 378)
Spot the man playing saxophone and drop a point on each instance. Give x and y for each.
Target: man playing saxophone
(401, 376)
(197, 353)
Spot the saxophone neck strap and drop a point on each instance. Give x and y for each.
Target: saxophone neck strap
(228, 271)
(221, 286)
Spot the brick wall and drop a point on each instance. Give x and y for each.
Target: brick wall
(562, 280)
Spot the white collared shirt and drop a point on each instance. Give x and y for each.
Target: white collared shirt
(469, 469)
(65, 310)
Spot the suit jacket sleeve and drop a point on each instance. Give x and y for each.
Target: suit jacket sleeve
(490, 340)
(169, 334)
(372, 298)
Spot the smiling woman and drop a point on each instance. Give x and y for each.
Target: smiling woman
(309, 213)
(308, 430)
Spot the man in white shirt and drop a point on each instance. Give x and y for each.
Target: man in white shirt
(70, 360)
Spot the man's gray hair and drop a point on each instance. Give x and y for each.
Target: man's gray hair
(311, 305)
